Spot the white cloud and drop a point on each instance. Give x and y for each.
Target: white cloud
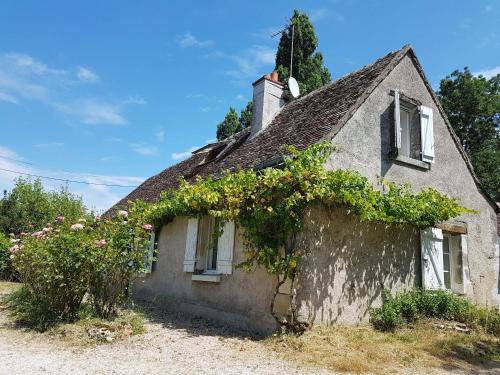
(318, 14)
(49, 145)
(24, 77)
(239, 97)
(96, 197)
(135, 100)
(251, 62)
(144, 149)
(8, 98)
(488, 73)
(86, 75)
(93, 112)
(204, 109)
(189, 40)
(160, 135)
(184, 154)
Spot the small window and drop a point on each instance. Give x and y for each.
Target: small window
(452, 262)
(410, 131)
(447, 261)
(206, 247)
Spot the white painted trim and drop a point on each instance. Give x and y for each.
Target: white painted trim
(207, 278)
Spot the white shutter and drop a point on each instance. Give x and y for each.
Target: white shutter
(225, 247)
(431, 240)
(191, 239)
(397, 121)
(150, 252)
(427, 134)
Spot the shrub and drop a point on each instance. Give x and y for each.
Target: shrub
(5, 263)
(62, 263)
(54, 267)
(118, 256)
(410, 306)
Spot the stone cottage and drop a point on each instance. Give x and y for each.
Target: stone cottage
(385, 121)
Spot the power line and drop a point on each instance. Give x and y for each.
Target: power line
(40, 166)
(68, 180)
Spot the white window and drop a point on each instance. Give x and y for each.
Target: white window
(443, 257)
(206, 247)
(413, 129)
(207, 253)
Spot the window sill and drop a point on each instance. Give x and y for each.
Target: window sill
(413, 162)
(206, 278)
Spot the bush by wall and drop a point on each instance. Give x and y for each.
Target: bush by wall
(64, 261)
(409, 306)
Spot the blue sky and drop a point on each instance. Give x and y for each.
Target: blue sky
(113, 92)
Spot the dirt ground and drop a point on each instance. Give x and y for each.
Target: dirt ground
(172, 344)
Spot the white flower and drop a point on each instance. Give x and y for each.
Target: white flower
(76, 227)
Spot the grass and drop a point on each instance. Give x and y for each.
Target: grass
(365, 350)
(130, 321)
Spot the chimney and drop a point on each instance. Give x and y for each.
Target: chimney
(267, 101)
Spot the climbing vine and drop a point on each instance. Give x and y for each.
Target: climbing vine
(269, 206)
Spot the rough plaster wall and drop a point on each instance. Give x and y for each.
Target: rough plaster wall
(364, 145)
(348, 264)
(241, 299)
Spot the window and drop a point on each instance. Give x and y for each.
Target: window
(206, 247)
(442, 260)
(413, 130)
(207, 253)
(446, 261)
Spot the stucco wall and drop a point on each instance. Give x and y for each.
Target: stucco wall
(348, 263)
(241, 299)
(365, 143)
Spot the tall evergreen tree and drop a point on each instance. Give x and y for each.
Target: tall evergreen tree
(307, 66)
(246, 116)
(308, 69)
(229, 126)
(472, 105)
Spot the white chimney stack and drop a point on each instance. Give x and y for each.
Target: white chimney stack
(267, 101)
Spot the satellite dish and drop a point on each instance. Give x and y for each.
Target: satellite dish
(294, 87)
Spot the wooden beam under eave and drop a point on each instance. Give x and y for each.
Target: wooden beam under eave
(453, 228)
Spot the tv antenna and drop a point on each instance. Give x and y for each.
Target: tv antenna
(293, 86)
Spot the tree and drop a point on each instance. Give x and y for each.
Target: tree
(28, 207)
(307, 67)
(472, 105)
(229, 126)
(246, 116)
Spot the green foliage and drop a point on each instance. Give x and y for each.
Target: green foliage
(472, 105)
(62, 263)
(233, 124)
(28, 207)
(116, 263)
(308, 66)
(409, 306)
(246, 116)
(5, 263)
(229, 126)
(269, 204)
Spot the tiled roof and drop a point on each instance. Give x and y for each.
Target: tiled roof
(301, 123)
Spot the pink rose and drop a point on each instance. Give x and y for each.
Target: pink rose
(37, 234)
(60, 218)
(123, 213)
(147, 226)
(14, 240)
(46, 230)
(76, 227)
(14, 248)
(100, 243)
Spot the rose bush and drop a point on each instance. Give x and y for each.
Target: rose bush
(62, 263)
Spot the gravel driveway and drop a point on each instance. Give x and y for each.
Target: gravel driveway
(171, 345)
